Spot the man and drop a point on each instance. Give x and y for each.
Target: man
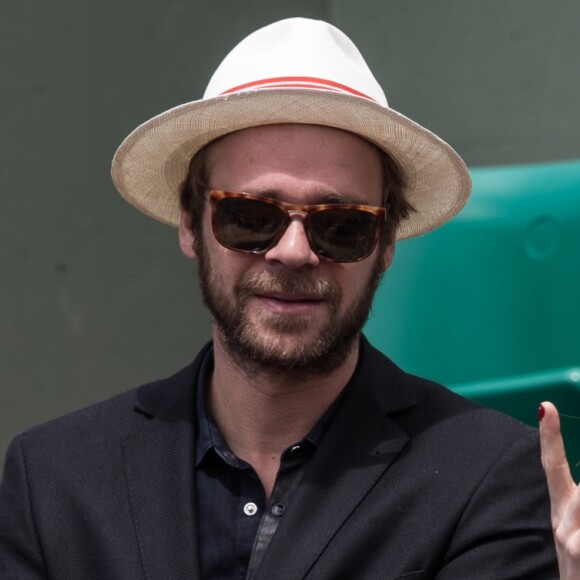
(290, 448)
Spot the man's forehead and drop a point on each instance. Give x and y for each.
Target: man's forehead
(297, 163)
(284, 136)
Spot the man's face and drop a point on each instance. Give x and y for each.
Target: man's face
(288, 309)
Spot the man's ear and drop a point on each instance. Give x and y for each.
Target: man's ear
(186, 236)
(390, 249)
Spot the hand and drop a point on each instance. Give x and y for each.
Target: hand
(564, 494)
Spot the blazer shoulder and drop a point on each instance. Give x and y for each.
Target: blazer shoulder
(111, 418)
(438, 409)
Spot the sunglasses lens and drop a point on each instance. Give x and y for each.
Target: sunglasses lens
(248, 225)
(343, 235)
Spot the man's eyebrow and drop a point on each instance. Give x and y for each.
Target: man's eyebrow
(334, 197)
(316, 198)
(271, 193)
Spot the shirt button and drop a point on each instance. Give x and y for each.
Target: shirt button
(250, 509)
(295, 451)
(278, 509)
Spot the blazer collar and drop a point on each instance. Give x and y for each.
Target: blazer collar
(159, 463)
(360, 445)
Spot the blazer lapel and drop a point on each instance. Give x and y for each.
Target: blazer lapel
(358, 448)
(159, 462)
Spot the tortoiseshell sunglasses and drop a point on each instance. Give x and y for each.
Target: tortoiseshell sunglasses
(338, 232)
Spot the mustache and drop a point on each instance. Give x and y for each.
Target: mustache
(287, 282)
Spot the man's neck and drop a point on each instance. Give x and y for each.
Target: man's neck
(261, 413)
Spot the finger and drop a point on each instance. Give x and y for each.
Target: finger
(560, 483)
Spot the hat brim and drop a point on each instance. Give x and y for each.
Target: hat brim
(152, 162)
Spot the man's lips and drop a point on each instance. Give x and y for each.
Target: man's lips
(290, 303)
(290, 297)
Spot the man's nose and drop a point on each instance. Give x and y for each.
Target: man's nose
(293, 249)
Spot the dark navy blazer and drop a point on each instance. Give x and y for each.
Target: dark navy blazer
(410, 481)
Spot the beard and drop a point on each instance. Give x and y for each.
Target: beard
(277, 342)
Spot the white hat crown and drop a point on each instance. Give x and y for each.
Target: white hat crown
(296, 53)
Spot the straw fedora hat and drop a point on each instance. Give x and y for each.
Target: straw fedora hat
(292, 71)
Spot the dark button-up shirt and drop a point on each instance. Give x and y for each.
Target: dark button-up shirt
(235, 521)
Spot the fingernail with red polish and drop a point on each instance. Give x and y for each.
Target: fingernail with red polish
(541, 412)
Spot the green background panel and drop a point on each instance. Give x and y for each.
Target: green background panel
(495, 292)
(489, 303)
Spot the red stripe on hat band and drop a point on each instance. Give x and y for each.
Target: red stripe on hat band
(302, 82)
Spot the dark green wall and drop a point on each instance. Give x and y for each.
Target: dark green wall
(96, 298)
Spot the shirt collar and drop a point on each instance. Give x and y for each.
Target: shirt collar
(210, 437)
